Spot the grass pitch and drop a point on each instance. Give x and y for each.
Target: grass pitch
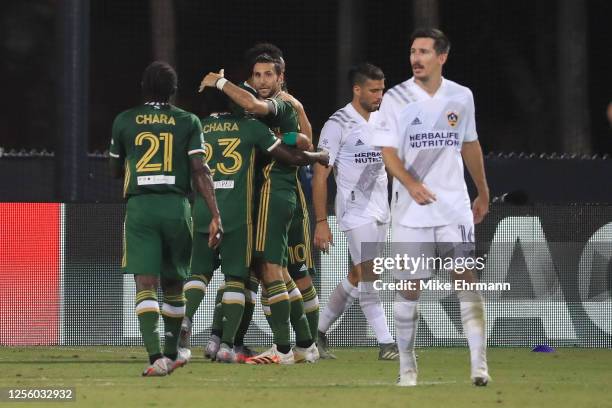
(110, 377)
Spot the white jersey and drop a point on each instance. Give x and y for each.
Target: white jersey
(428, 133)
(361, 180)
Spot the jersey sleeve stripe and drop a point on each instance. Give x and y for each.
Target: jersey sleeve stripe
(194, 151)
(343, 114)
(333, 119)
(278, 141)
(399, 95)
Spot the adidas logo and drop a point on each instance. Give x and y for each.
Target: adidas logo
(359, 143)
(416, 121)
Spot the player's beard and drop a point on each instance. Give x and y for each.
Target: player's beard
(369, 107)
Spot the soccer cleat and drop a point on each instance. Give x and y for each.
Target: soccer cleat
(481, 378)
(159, 368)
(243, 353)
(408, 378)
(323, 348)
(212, 347)
(306, 355)
(185, 335)
(182, 358)
(388, 352)
(226, 354)
(272, 356)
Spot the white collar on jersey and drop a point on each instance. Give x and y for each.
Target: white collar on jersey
(356, 115)
(439, 92)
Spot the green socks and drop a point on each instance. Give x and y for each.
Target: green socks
(278, 300)
(173, 311)
(303, 338)
(195, 289)
(232, 306)
(147, 310)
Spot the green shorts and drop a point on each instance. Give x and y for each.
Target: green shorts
(233, 255)
(274, 216)
(157, 236)
(299, 242)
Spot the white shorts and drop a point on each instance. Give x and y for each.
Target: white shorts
(431, 248)
(366, 242)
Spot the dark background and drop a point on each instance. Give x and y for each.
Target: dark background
(506, 52)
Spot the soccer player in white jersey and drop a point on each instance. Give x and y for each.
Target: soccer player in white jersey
(426, 125)
(362, 207)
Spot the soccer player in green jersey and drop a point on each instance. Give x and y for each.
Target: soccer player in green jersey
(159, 149)
(231, 144)
(280, 195)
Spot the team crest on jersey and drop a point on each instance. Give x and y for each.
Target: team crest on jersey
(452, 118)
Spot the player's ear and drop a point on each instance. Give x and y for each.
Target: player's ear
(357, 89)
(442, 58)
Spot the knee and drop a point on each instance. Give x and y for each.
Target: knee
(304, 283)
(146, 282)
(172, 287)
(354, 275)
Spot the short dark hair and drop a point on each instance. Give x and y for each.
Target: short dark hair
(361, 72)
(264, 48)
(268, 59)
(215, 101)
(441, 43)
(159, 81)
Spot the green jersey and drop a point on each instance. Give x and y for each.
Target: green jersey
(155, 141)
(231, 143)
(284, 120)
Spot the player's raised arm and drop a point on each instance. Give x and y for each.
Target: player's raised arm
(243, 98)
(202, 180)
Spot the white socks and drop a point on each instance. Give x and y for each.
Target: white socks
(339, 301)
(406, 314)
(473, 320)
(372, 308)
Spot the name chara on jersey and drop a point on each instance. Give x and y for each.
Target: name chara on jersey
(151, 119)
(220, 127)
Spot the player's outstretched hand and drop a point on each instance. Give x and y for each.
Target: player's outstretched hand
(323, 237)
(215, 232)
(480, 208)
(210, 80)
(421, 194)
